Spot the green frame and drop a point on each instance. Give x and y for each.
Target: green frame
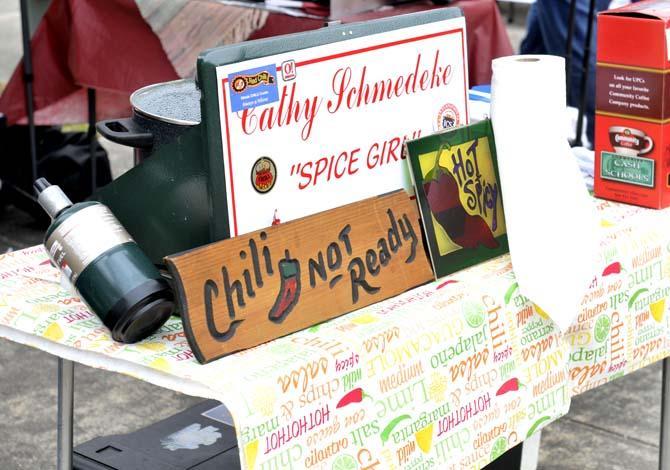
(210, 59)
(463, 258)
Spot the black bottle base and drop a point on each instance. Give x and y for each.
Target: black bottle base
(141, 312)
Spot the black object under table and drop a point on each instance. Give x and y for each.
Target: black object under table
(198, 438)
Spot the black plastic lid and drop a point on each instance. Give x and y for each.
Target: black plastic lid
(40, 185)
(141, 312)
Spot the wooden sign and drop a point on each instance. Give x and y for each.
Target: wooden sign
(241, 292)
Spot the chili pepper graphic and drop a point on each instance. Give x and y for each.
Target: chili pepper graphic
(289, 289)
(386, 433)
(614, 268)
(512, 385)
(443, 196)
(537, 424)
(510, 292)
(446, 283)
(354, 396)
(635, 295)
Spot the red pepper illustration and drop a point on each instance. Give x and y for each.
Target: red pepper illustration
(354, 396)
(443, 195)
(289, 289)
(446, 283)
(512, 385)
(614, 268)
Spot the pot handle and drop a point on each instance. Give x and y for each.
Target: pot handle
(126, 132)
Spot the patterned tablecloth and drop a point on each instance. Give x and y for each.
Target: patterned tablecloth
(450, 374)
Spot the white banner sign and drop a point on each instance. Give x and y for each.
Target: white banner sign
(317, 128)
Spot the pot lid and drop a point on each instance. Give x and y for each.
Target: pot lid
(176, 102)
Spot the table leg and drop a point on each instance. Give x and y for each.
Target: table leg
(91, 135)
(28, 80)
(530, 454)
(664, 457)
(65, 408)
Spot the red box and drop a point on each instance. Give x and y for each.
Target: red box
(632, 133)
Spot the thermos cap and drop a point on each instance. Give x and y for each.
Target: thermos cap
(141, 312)
(52, 199)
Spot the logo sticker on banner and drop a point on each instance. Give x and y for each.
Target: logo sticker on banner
(263, 175)
(254, 87)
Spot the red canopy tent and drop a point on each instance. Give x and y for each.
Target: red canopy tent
(109, 46)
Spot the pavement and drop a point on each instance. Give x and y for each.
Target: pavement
(615, 426)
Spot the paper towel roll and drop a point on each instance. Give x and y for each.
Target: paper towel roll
(552, 225)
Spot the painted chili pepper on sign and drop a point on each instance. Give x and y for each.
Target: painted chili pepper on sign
(289, 289)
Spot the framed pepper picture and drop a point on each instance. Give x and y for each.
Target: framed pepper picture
(455, 176)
